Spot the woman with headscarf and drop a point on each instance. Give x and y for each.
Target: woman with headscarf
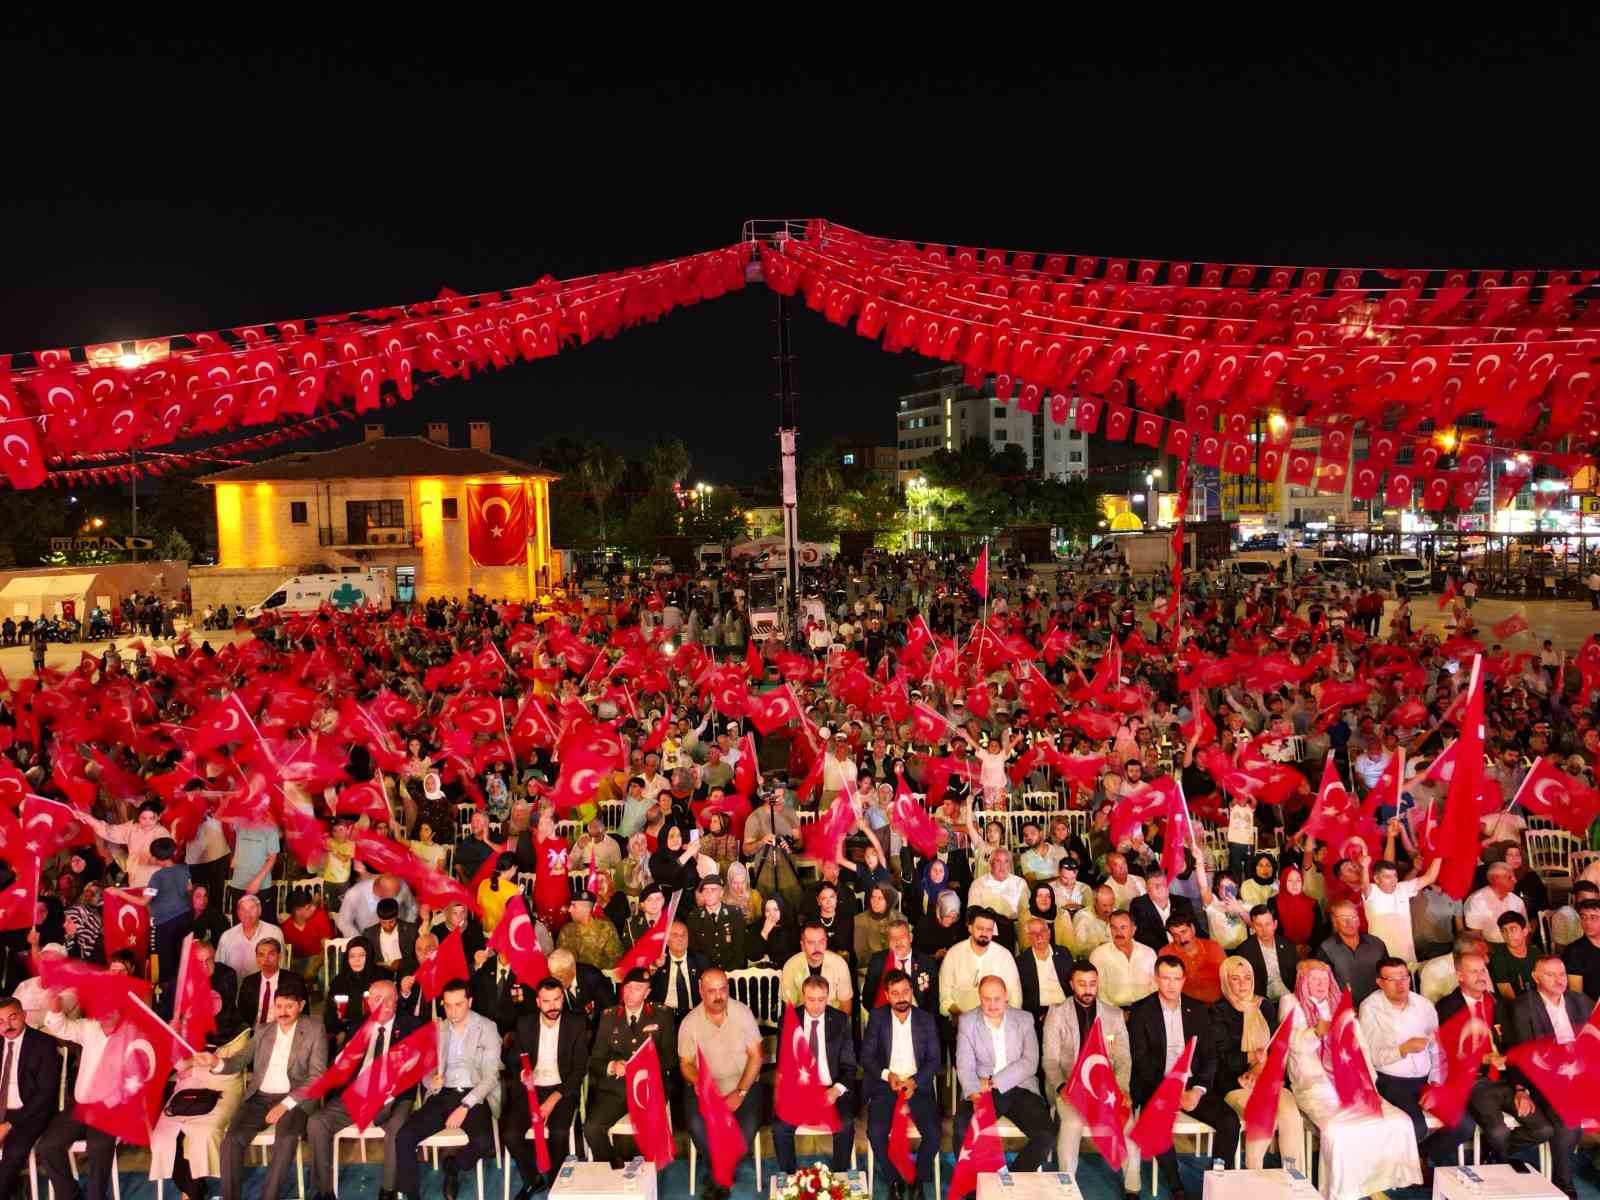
(636, 867)
(673, 863)
(1362, 1153)
(940, 927)
(1261, 882)
(739, 895)
(1296, 911)
(931, 880)
(872, 923)
(1041, 904)
(347, 993)
(718, 844)
(1243, 1029)
(772, 938)
(81, 924)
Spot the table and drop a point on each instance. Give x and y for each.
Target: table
(1028, 1185)
(601, 1181)
(1252, 1185)
(1500, 1182)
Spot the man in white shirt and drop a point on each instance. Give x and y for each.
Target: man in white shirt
(1001, 892)
(1486, 904)
(1124, 887)
(997, 1052)
(236, 948)
(1127, 967)
(359, 909)
(838, 771)
(1091, 927)
(64, 1128)
(1402, 1034)
(967, 963)
(1387, 901)
(1371, 763)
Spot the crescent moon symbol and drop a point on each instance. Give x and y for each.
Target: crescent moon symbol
(504, 504)
(520, 924)
(144, 1053)
(643, 1078)
(1089, 1064)
(123, 915)
(21, 458)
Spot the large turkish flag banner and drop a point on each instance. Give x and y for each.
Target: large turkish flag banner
(497, 523)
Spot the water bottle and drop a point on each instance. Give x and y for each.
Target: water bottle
(1218, 1165)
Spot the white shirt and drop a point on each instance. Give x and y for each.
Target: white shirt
(675, 967)
(1125, 978)
(1172, 1019)
(12, 1047)
(1126, 891)
(997, 1038)
(1241, 824)
(1559, 1021)
(1089, 931)
(818, 1023)
(902, 1058)
(1386, 1026)
(389, 945)
(275, 1079)
(963, 968)
(545, 1072)
(1006, 896)
(1050, 992)
(1484, 908)
(267, 993)
(236, 950)
(1389, 918)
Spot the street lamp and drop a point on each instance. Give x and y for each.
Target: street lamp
(1150, 478)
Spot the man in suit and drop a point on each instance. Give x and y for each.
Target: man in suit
(588, 991)
(394, 942)
(900, 1056)
(1548, 1011)
(464, 1094)
(388, 1028)
(1273, 959)
(1044, 969)
(284, 1058)
(1159, 1026)
(827, 1031)
(30, 1082)
(623, 1030)
(554, 1045)
(1491, 1100)
(1151, 911)
(899, 956)
(675, 980)
(997, 1052)
(257, 990)
(1065, 1027)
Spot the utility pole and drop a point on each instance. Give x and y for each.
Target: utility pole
(133, 460)
(788, 429)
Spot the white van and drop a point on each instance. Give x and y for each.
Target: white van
(344, 590)
(1252, 569)
(1392, 569)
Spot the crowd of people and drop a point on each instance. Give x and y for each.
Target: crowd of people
(757, 794)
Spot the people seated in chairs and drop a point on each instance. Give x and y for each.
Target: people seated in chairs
(1551, 1010)
(459, 916)
(394, 942)
(815, 959)
(969, 962)
(1243, 1022)
(772, 939)
(1271, 956)
(30, 1082)
(306, 932)
(236, 948)
(1127, 966)
(900, 1056)
(652, 900)
(997, 1052)
(725, 1031)
(1151, 911)
(901, 955)
(256, 990)
(675, 979)
(346, 1007)
(388, 1028)
(623, 1029)
(827, 1031)
(1159, 1026)
(1065, 1027)
(588, 991)
(359, 908)
(1044, 969)
(284, 1058)
(592, 939)
(463, 1094)
(206, 920)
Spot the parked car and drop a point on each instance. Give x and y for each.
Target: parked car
(1390, 570)
(1251, 569)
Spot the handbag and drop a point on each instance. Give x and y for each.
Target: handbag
(191, 1102)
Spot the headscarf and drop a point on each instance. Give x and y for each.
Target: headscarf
(1255, 864)
(1247, 1004)
(1296, 914)
(931, 887)
(1311, 1009)
(737, 896)
(1047, 914)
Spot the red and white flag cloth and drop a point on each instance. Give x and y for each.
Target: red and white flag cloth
(900, 1153)
(980, 573)
(406, 1064)
(824, 838)
(1352, 1078)
(123, 1096)
(537, 1128)
(195, 1002)
(802, 1098)
(1457, 838)
(125, 925)
(1548, 791)
(19, 903)
(1514, 624)
(1463, 1040)
(1564, 1075)
(447, 962)
(724, 1138)
(647, 951)
(912, 822)
(49, 827)
(513, 937)
(1450, 593)
(981, 1148)
(1261, 1109)
(647, 1105)
(1093, 1091)
(1152, 1132)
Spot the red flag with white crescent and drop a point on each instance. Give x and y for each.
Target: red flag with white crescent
(497, 523)
(1548, 791)
(981, 1149)
(724, 1138)
(537, 1129)
(1093, 1091)
(647, 1105)
(1352, 1078)
(448, 962)
(126, 925)
(513, 937)
(1152, 1132)
(1261, 1109)
(19, 903)
(980, 573)
(123, 1096)
(802, 1098)
(900, 1141)
(195, 1003)
(407, 1063)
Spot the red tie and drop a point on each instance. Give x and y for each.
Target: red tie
(266, 1000)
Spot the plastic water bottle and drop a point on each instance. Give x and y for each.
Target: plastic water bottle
(1218, 1165)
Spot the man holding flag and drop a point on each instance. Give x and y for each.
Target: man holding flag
(548, 1057)
(623, 1029)
(722, 1035)
(816, 1077)
(900, 1054)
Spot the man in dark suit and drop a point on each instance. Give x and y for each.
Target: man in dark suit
(1264, 944)
(1548, 1011)
(588, 991)
(30, 1083)
(1151, 911)
(258, 990)
(827, 1031)
(224, 983)
(394, 942)
(1045, 970)
(675, 981)
(900, 1055)
(554, 1045)
(623, 1030)
(1159, 1026)
(1491, 1100)
(899, 956)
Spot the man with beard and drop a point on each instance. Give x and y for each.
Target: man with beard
(900, 1054)
(1065, 1027)
(554, 1044)
(967, 963)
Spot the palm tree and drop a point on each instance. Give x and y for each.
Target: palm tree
(601, 470)
(668, 462)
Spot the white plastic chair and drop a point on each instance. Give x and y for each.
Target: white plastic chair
(372, 1133)
(760, 990)
(455, 1139)
(332, 955)
(1550, 851)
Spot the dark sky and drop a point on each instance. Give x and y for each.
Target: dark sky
(280, 164)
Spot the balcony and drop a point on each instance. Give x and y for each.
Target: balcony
(370, 537)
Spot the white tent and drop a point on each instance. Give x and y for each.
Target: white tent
(41, 595)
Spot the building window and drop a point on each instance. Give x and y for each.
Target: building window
(999, 412)
(375, 514)
(297, 512)
(849, 460)
(1075, 456)
(999, 435)
(447, 508)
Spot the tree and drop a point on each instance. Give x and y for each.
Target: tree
(172, 546)
(667, 463)
(601, 471)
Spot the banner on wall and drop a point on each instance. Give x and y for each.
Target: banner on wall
(497, 523)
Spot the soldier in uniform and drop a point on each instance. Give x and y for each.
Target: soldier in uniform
(715, 930)
(651, 901)
(591, 940)
(623, 1030)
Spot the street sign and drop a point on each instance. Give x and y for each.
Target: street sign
(1591, 505)
(65, 544)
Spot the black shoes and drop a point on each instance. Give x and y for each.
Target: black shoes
(897, 1190)
(915, 1193)
(452, 1181)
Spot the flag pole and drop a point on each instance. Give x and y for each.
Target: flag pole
(156, 1017)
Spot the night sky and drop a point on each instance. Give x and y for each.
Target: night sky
(280, 164)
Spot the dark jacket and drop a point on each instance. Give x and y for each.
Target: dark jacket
(1227, 1033)
(591, 993)
(1288, 961)
(697, 965)
(37, 1067)
(1525, 1020)
(614, 1041)
(924, 972)
(1453, 1003)
(408, 944)
(878, 1040)
(249, 998)
(1028, 972)
(1354, 969)
(1149, 926)
(838, 1047)
(572, 1050)
(1147, 1041)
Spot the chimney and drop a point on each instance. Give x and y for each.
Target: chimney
(439, 432)
(372, 433)
(478, 435)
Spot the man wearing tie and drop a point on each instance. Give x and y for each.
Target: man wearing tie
(622, 1031)
(1549, 1010)
(827, 1031)
(284, 1058)
(998, 1052)
(675, 980)
(257, 991)
(900, 1054)
(30, 1082)
(899, 956)
(1065, 1028)
(588, 990)
(1159, 1026)
(389, 1028)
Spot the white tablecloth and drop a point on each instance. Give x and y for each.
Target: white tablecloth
(601, 1181)
(1028, 1185)
(1500, 1182)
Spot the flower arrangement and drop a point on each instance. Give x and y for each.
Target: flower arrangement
(820, 1183)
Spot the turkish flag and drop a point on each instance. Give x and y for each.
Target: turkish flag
(1093, 1091)
(824, 838)
(1458, 833)
(513, 937)
(406, 1064)
(1352, 1078)
(1147, 430)
(1397, 491)
(649, 948)
(1152, 1132)
(19, 903)
(537, 1129)
(1302, 467)
(772, 709)
(1512, 625)
(1464, 1039)
(1335, 817)
(1179, 436)
(1118, 418)
(1450, 592)
(497, 523)
(1548, 791)
(981, 1148)
(1261, 1109)
(50, 826)
(449, 962)
(123, 1097)
(802, 1097)
(724, 1138)
(647, 1105)
(1558, 1071)
(900, 1141)
(126, 925)
(1086, 417)
(912, 822)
